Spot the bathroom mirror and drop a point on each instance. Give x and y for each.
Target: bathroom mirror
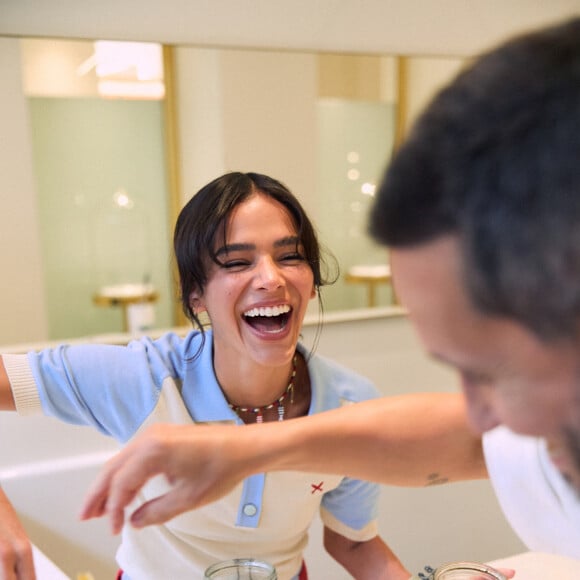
(108, 181)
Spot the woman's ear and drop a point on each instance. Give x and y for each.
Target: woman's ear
(314, 291)
(196, 302)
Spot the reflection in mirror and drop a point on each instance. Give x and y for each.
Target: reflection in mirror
(325, 124)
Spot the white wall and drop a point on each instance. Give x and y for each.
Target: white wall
(280, 145)
(227, 123)
(446, 27)
(200, 125)
(425, 76)
(22, 309)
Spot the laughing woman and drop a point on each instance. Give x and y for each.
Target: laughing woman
(249, 261)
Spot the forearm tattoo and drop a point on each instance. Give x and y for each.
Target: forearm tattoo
(436, 479)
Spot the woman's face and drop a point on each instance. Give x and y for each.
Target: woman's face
(257, 296)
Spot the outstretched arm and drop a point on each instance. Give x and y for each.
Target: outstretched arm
(410, 440)
(15, 548)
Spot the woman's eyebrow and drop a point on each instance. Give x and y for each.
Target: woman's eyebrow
(241, 247)
(234, 248)
(287, 241)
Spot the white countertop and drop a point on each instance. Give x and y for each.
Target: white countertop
(45, 568)
(528, 566)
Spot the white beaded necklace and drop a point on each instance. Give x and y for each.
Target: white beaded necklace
(278, 403)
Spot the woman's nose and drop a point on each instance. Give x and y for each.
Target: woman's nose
(481, 407)
(269, 276)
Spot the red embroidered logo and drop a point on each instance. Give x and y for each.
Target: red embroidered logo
(316, 488)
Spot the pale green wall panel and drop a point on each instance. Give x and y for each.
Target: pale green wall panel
(85, 150)
(355, 139)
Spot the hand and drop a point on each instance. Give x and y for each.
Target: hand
(197, 461)
(16, 561)
(505, 571)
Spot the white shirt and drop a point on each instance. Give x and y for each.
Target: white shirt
(542, 508)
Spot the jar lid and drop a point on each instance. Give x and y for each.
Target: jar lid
(466, 571)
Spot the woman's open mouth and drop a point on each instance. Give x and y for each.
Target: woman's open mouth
(268, 319)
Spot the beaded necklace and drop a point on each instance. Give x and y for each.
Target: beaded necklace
(278, 403)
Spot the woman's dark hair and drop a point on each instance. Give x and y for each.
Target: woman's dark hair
(206, 215)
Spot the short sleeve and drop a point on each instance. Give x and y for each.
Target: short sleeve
(352, 509)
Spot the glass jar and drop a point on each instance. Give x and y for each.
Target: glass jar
(462, 571)
(241, 569)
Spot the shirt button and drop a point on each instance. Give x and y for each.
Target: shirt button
(250, 509)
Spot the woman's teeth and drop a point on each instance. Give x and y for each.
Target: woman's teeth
(268, 311)
(269, 319)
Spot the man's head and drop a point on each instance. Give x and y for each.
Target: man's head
(495, 160)
(481, 206)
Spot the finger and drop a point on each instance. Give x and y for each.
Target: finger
(115, 488)
(184, 496)
(94, 504)
(17, 563)
(123, 488)
(7, 568)
(25, 566)
(159, 510)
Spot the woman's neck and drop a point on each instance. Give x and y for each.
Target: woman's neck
(252, 384)
(262, 393)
